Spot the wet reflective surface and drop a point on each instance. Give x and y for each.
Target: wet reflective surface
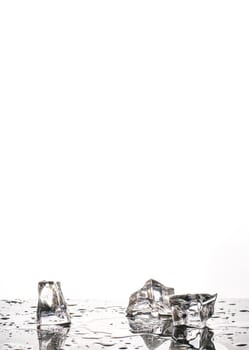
(98, 325)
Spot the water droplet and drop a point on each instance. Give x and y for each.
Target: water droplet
(241, 344)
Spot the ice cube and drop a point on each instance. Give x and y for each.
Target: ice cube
(192, 309)
(52, 307)
(152, 298)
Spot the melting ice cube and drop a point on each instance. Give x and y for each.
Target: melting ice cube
(152, 298)
(52, 307)
(192, 309)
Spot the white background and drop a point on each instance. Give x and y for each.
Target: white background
(124, 146)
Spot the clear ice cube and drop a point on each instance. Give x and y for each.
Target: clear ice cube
(52, 307)
(192, 309)
(152, 298)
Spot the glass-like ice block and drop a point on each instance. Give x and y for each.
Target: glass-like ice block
(52, 307)
(192, 310)
(152, 298)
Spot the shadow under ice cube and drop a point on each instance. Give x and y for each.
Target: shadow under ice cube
(195, 338)
(192, 310)
(161, 326)
(52, 338)
(52, 307)
(152, 298)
